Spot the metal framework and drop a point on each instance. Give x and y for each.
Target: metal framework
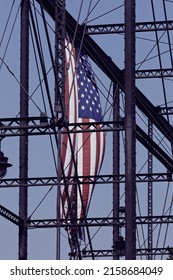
(124, 219)
(24, 111)
(150, 193)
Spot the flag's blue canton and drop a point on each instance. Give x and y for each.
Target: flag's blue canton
(89, 101)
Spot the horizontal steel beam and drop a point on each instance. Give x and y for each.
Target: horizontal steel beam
(98, 222)
(33, 126)
(120, 252)
(13, 127)
(165, 110)
(99, 179)
(154, 73)
(120, 27)
(38, 126)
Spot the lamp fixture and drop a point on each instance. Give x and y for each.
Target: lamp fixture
(3, 165)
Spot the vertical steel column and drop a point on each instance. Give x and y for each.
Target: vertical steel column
(59, 92)
(130, 161)
(23, 164)
(150, 194)
(59, 56)
(116, 168)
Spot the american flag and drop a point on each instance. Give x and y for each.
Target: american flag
(82, 104)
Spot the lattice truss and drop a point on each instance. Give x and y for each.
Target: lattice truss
(98, 29)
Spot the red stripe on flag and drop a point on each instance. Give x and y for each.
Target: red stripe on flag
(86, 169)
